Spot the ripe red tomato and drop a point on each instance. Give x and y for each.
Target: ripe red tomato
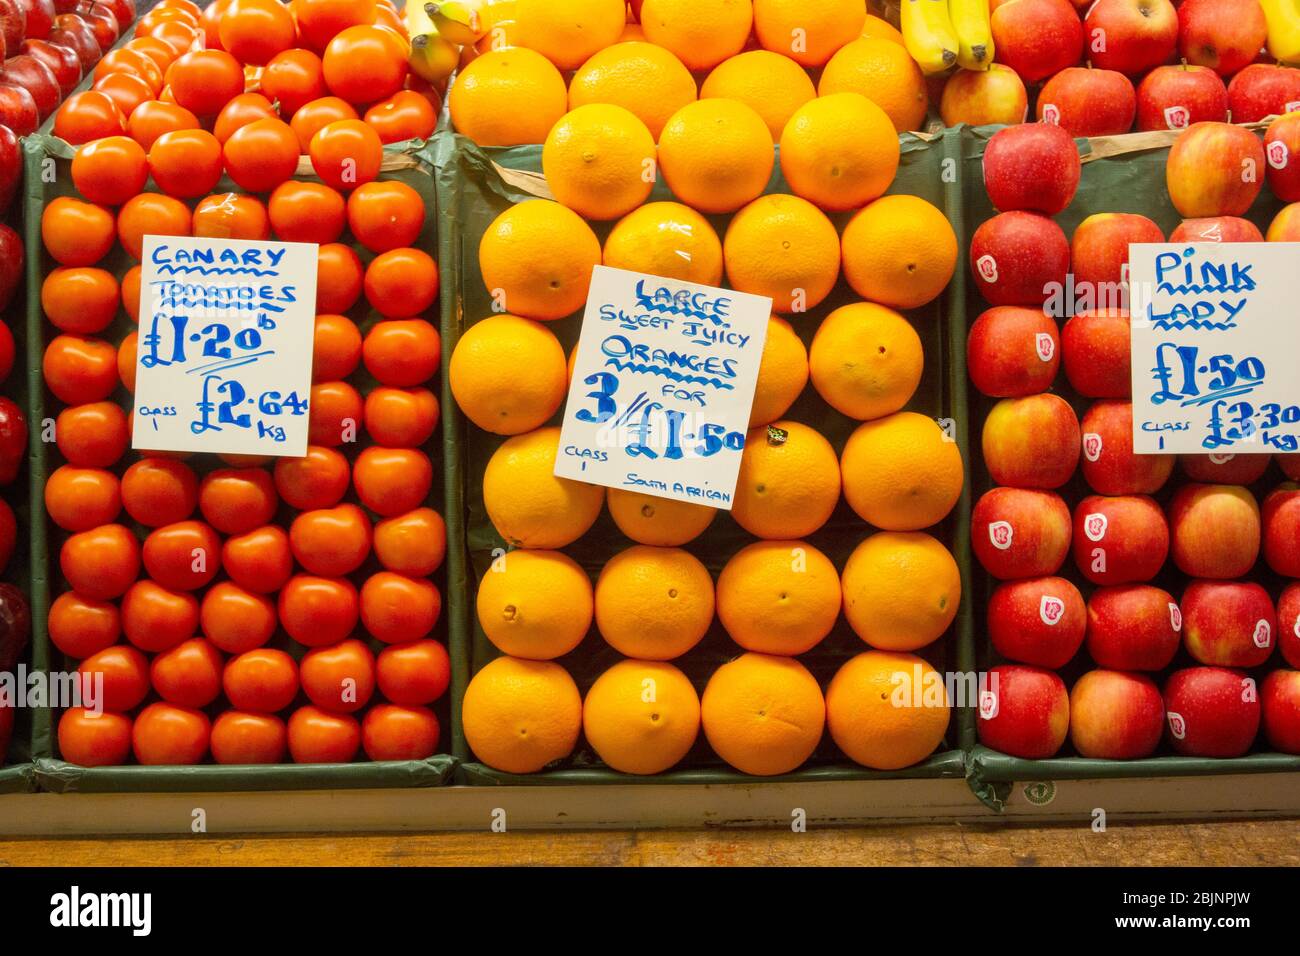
(203, 81)
(154, 118)
(110, 171)
(79, 499)
(319, 479)
(76, 233)
(159, 491)
(188, 675)
(94, 740)
(339, 678)
(231, 216)
(87, 116)
(240, 738)
(331, 542)
(262, 155)
(402, 282)
(363, 64)
(126, 90)
(316, 736)
(390, 481)
(293, 79)
(155, 619)
(335, 414)
(338, 278)
(150, 214)
(320, 21)
(254, 31)
(317, 612)
(260, 560)
(80, 299)
(79, 369)
(100, 564)
(404, 115)
(308, 212)
(125, 675)
(263, 681)
(312, 117)
(167, 734)
(244, 109)
(80, 627)
(402, 352)
(94, 435)
(413, 674)
(413, 544)
(346, 154)
(390, 732)
(236, 620)
(184, 556)
(385, 215)
(336, 348)
(397, 609)
(237, 500)
(185, 163)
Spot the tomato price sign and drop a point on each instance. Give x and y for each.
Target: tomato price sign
(1213, 345)
(662, 387)
(223, 360)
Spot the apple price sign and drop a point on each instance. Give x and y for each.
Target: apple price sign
(223, 362)
(1213, 345)
(662, 387)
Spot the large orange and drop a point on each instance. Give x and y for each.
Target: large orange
(763, 714)
(536, 259)
(899, 251)
(878, 715)
(901, 590)
(778, 597)
(648, 519)
(782, 373)
(530, 506)
(866, 360)
(508, 97)
(535, 604)
(654, 603)
(808, 32)
(666, 239)
(567, 32)
(839, 151)
(883, 72)
(599, 160)
(518, 715)
(902, 472)
(773, 85)
(508, 374)
(788, 483)
(646, 79)
(641, 716)
(716, 155)
(702, 33)
(785, 248)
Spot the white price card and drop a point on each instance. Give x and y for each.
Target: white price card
(223, 361)
(662, 387)
(1214, 346)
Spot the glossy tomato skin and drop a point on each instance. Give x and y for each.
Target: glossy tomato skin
(231, 216)
(259, 560)
(100, 564)
(316, 611)
(184, 556)
(294, 78)
(166, 734)
(127, 91)
(86, 116)
(78, 499)
(401, 417)
(94, 739)
(155, 619)
(245, 738)
(319, 479)
(385, 215)
(110, 171)
(317, 736)
(336, 348)
(413, 674)
(81, 300)
(396, 609)
(263, 681)
(203, 81)
(320, 21)
(244, 109)
(346, 154)
(391, 732)
(150, 214)
(160, 491)
(363, 64)
(404, 115)
(390, 481)
(402, 352)
(153, 119)
(237, 500)
(307, 212)
(254, 31)
(312, 117)
(235, 619)
(80, 627)
(95, 435)
(340, 678)
(402, 282)
(262, 155)
(336, 414)
(125, 676)
(76, 233)
(339, 278)
(186, 163)
(189, 674)
(331, 542)
(80, 369)
(413, 543)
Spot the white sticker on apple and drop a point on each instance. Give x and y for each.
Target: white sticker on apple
(988, 704)
(987, 267)
(1051, 609)
(1176, 617)
(1094, 526)
(1177, 726)
(1051, 113)
(1292, 106)
(1296, 629)
(1046, 346)
(1221, 459)
(1279, 154)
(1000, 534)
(1092, 446)
(1248, 690)
(1263, 636)
(1177, 117)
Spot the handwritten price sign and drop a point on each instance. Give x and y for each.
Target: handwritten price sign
(223, 362)
(1214, 344)
(662, 387)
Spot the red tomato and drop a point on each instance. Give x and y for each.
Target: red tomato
(363, 64)
(240, 738)
(254, 31)
(260, 560)
(154, 118)
(413, 674)
(125, 676)
(397, 609)
(390, 732)
(320, 479)
(150, 214)
(94, 740)
(402, 282)
(331, 542)
(79, 499)
(188, 675)
(231, 216)
(335, 414)
(345, 154)
(203, 81)
(76, 233)
(311, 118)
(184, 556)
(317, 612)
(402, 352)
(413, 544)
(237, 500)
(79, 300)
(110, 171)
(404, 115)
(385, 215)
(390, 481)
(94, 435)
(336, 348)
(236, 620)
(80, 369)
(167, 734)
(186, 163)
(262, 155)
(263, 681)
(79, 627)
(339, 678)
(155, 619)
(239, 112)
(320, 21)
(308, 212)
(100, 564)
(293, 79)
(401, 417)
(316, 736)
(87, 116)
(160, 491)
(338, 278)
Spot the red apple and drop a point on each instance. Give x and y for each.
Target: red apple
(1286, 226)
(13, 438)
(1288, 624)
(18, 110)
(1088, 102)
(1033, 167)
(1120, 540)
(1214, 169)
(1037, 38)
(13, 25)
(124, 12)
(1281, 518)
(1175, 97)
(1215, 530)
(1017, 258)
(1133, 627)
(1031, 442)
(1263, 89)
(1131, 36)
(1290, 465)
(984, 97)
(1095, 347)
(1024, 711)
(11, 265)
(1109, 465)
(11, 168)
(1224, 35)
(39, 18)
(1216, 229)
(61, 60)
(1115, 715)
(1280, 704)
(72, 31)
(1282, 151)
(102, 22)
(38, 79)
(1012, 351)
(1039, 621)
(1228, 623)
(1099, 247)
(1211, 711)
(1018, 533)
(1225, 469)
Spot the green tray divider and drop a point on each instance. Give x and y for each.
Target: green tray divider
(460, 164)
(56, 775)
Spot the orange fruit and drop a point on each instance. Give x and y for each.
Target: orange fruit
(785, 248)
(666, 239)
(866, 360)
(839, 151)
(530, 506)
(653, 603)
(568, 32)
(702, 33)
(774, 86)
(518, 715)
(778, 597)
(599, 160)
(782, 373)
(535, 604)
(641, 716)
(664, 522)
(901, 590)
(874, 26)
(901, 472)
(899, 251)
(872, 712)
(641, 77)
(809, 32)
(885, 73)
(788, 483)
(508, 374)
(536, 259)
(763, 714)
(507, 97)
(716, 155)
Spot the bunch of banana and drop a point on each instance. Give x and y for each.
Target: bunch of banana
(438, 31)
(970, 20)
(1283, 18)
(928, 34)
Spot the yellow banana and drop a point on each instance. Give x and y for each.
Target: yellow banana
(456, 20)
(433, 58)
(417, 20)
(928, 34)
(970, 21)
(1283, 18)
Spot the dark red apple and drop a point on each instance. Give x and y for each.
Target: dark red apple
(11, 168)
(1263, 89)
(1019, 258)
(123, 12)
(1038, 621)
(38, 18)
(1032, 166)
(1175, 97)
(62, 61)
(13, 25)
(38, 79)
(11, 264)
(1089, 102)
(13, 438)
(1131, 36)
(1133, 627)
(103, 22)
(18, 109)
(15, 626)
(76, 35)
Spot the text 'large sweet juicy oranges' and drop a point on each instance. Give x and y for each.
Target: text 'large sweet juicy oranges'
(535, 604)
(527, 504)
(902, 472)
(641, 716)
(788, 484)
(866, 360)
(901, 590)
(536, 259)
(763, 714)
(778, 597)
(518, 715)
(654, 603)
(508, 374)
(879, 717)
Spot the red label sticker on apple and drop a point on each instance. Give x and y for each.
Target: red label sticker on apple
(1092, 446)
(1051, 113)
(1175, 616)
(1177, 726)
(1046, 346)
(1094, 526)
(1051, 609)
(1177, 117)
(1000, 533)
(987, 267)
(988, 705)
(1292, 106)
(1263, 635)
(1278, 154)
